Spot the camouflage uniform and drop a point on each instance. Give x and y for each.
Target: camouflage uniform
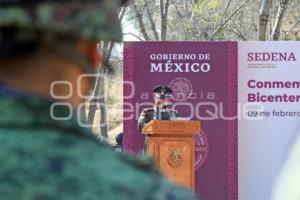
(45, 159)
(92, 19)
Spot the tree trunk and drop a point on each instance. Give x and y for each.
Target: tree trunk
(263, 19)
(164, 7)
(83, 116)
(95, 97)
(224, 22)
(142, 26)
(98, 96)
(151, 20)
(99, 100)
(103, 113)
(279, 17)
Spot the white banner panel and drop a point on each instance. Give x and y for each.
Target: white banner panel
(269, 76)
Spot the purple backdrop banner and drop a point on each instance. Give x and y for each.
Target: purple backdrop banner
(203, 77)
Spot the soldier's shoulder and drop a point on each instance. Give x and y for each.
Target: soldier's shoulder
(148, 110)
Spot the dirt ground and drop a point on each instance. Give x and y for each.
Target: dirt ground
(115, 124)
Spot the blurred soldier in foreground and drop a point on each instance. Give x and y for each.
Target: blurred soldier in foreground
(46, 159)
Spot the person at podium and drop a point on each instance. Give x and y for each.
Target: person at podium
(162, 101)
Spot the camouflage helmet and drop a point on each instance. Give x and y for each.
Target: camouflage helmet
(25, 24)
(87, 19)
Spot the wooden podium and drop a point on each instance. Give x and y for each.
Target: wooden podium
(172, 144)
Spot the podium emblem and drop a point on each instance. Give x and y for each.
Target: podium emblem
(175, 158)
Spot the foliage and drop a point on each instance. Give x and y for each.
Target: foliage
(214, 19)
(206, 4)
